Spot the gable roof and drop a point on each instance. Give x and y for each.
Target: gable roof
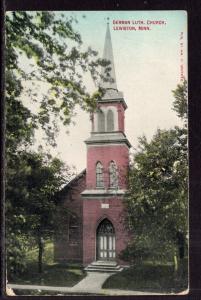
(73, 181)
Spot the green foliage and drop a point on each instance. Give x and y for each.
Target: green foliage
(51, 53)
(54, 274)
(31, 202)
(150, 277)
(147, 246)
(158, 191)
(45, 67)
(180, 102)
(48, 256)
(16, 251)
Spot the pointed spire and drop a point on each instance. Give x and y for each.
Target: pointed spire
(108, 55)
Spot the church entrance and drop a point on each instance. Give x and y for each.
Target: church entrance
(105, 237)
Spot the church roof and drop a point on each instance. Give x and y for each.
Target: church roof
(73, 181)
(111, 92)
(108, 55)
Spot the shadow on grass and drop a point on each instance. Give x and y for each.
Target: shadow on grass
(150, 278)
(53, 275)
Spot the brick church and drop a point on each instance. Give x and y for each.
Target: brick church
(94, 231)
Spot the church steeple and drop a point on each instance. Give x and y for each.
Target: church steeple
(108, 55)
(108, 120)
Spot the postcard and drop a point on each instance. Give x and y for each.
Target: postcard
(96, 150)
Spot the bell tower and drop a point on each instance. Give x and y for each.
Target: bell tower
(107, 167)
(108, 141)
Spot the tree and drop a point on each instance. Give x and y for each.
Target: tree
(42, 50)
(180, 102)
(51, 53)
(32, 204)
(158, 191)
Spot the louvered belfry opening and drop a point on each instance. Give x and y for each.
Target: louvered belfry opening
(110, 120)
(101, 122)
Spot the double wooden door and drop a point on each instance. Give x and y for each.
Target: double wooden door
(106, 241)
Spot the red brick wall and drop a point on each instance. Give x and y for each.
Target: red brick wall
(64, 250)
(121, 116)
(89, 210)
(93, 214)
(118, 153)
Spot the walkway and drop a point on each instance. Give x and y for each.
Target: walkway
(91, 284)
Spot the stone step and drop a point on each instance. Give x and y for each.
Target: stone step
(103, 270)
(103, 266)
(104, 263)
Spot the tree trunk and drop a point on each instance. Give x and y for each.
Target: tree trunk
(181, 244)
(175, 263)
(40, 254)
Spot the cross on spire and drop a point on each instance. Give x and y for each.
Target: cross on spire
(108, 55)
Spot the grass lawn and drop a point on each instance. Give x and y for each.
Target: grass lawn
(54, 274)
(151, 278)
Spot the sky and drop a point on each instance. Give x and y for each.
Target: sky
(148, 67)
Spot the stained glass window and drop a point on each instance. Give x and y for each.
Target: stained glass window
(99, 175)
(113, 175)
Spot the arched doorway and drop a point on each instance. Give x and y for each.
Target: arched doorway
(105, 237)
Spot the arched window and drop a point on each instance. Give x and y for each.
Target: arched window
(73, 229)
(99, 175)
(113, 175)
(101, 121)
(110, 120)
(105, 227)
